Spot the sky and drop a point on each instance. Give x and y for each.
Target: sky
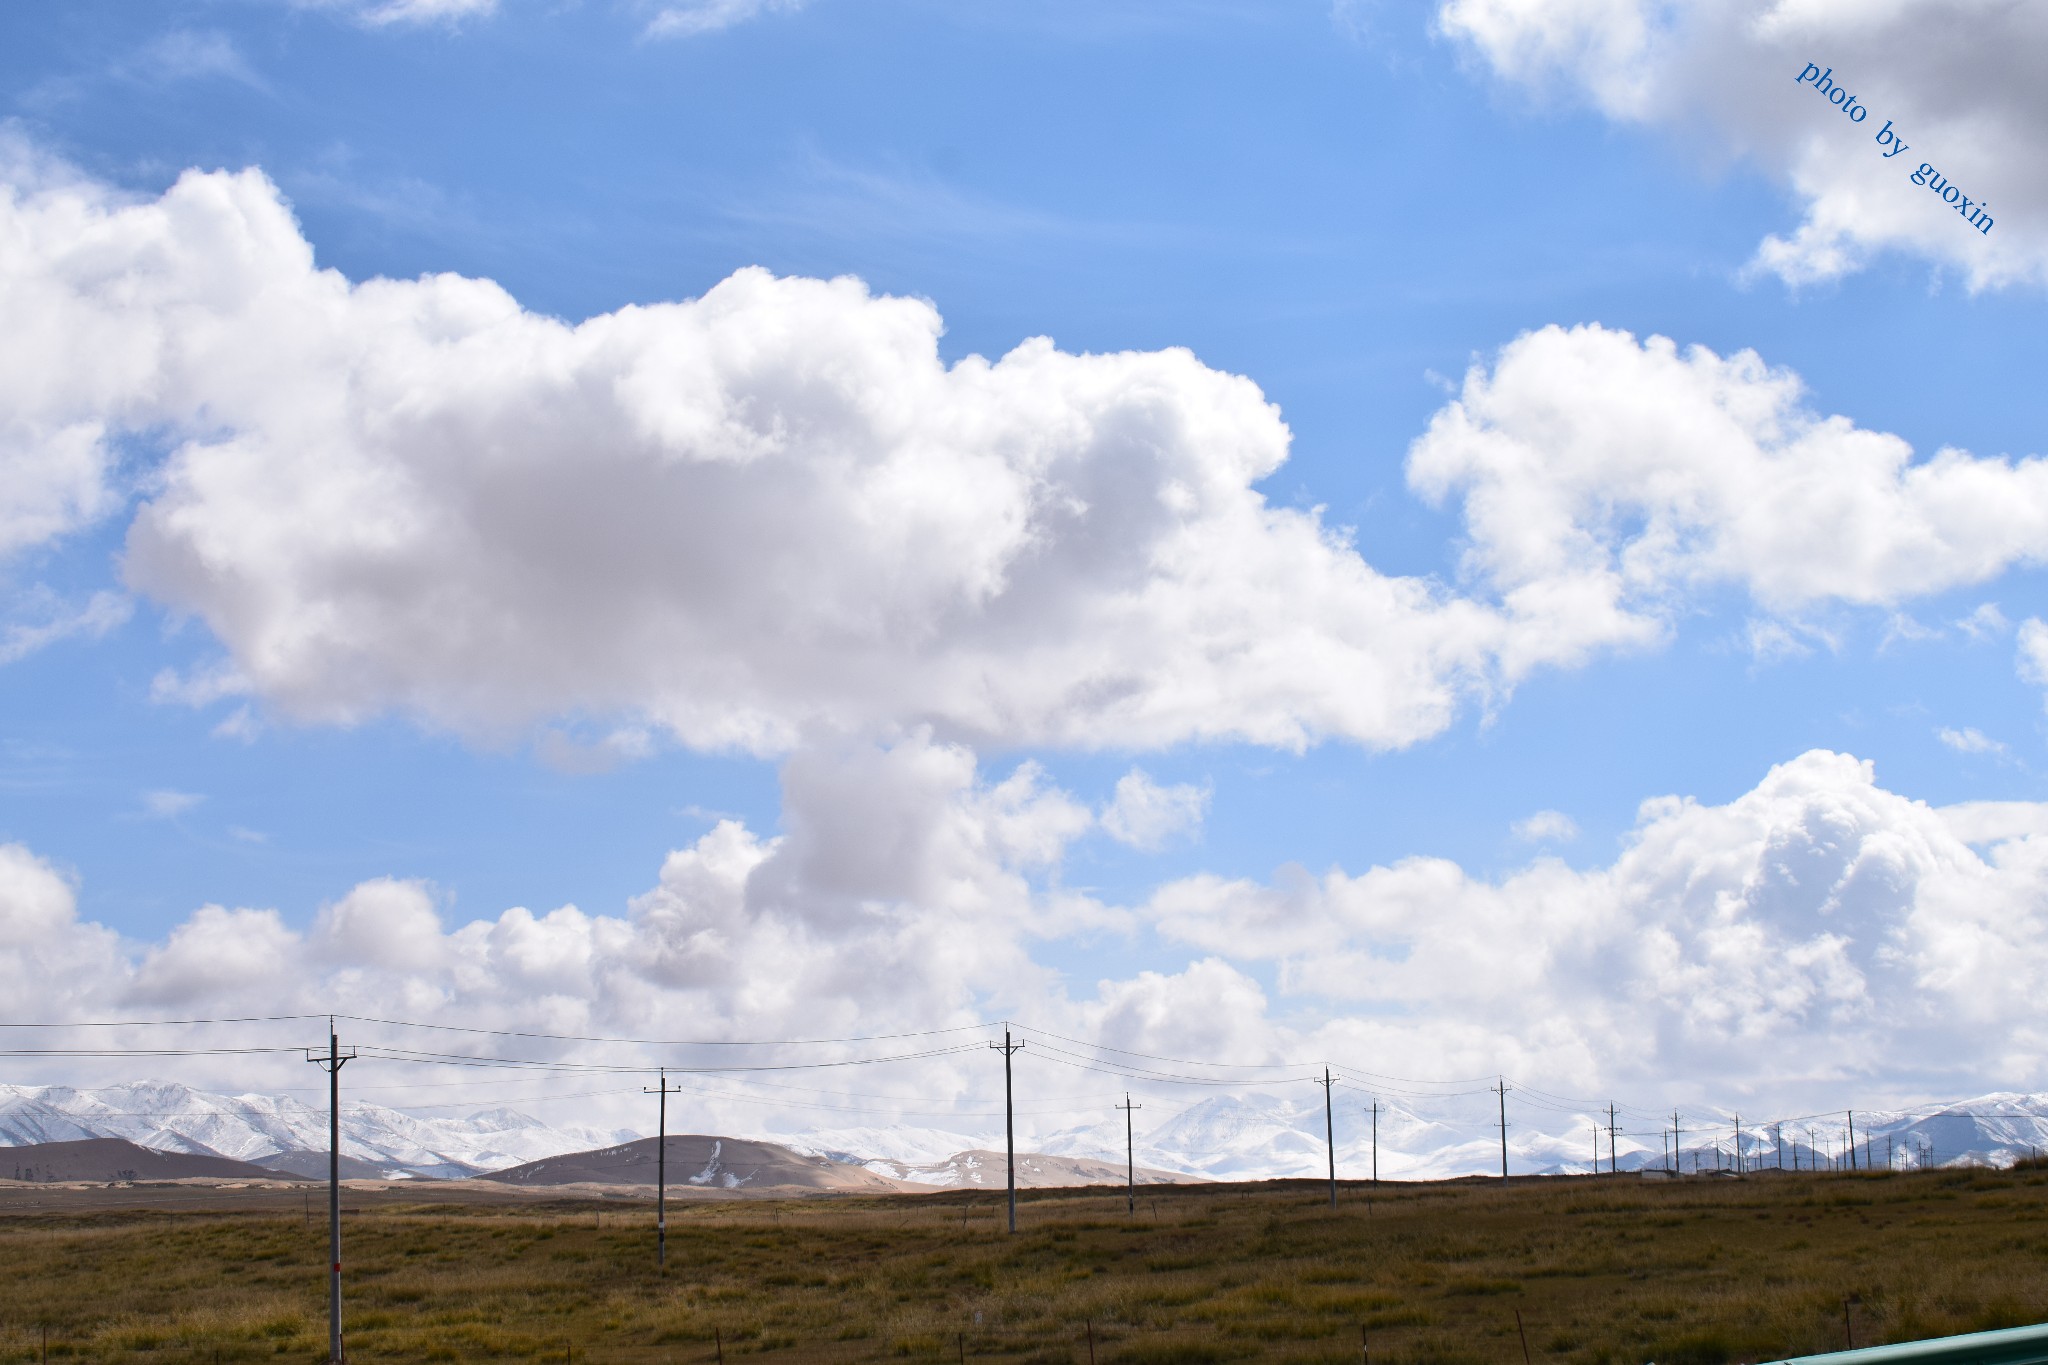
(1447, 540)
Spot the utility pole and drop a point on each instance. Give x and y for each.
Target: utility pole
(1852, 1139)
(1375, 1142)
(663, 1089)
(1677, 1155)
(1502, 1091)
(332, 1064)
(1330, 1135)
(1130, 1159)
(1613, 1130)
(1738, 1144)
(1778, 1139)
(1009, 1050)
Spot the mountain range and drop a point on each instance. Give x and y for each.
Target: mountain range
(1249, 1136)
(269, 1129)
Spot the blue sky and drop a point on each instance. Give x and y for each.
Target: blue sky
(1350, 207)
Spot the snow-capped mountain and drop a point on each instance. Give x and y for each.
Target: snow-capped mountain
(176, 1118)
(1222, 1137)
(1260, 1136)
(1990, 1130)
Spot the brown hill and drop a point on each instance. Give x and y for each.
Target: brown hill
(695, 1160)
(107, 1159)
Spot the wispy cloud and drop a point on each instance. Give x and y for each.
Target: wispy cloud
(709, 16)
(192, 54)
(912, 202)
(2033, 657)
(1547, 827)
(567, 754)
(1985, 623)
(167, 804)
(50, 620)
(417, 11)
(1148, 816)
(1969, 740)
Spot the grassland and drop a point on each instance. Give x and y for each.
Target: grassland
(1599, 1270)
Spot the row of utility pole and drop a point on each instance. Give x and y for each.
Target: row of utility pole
(334, 1058)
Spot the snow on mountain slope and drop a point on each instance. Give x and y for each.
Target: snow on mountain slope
(1221, 1137)
(879, 1147)
(174, 1118)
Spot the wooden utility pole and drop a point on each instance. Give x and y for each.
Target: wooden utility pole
(1330, 1135)
(332, 1063)
(1613, 1129)
(1009, 1050)
(1852, 1139)
(1130, 1175)
(1502, 1091)
(1677, 1154)
(663, 1089)
(1375, 1142)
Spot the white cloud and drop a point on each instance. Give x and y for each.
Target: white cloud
(1148, 816)
(55, 447)
(904, 894)
(1617, 475)
(567, 754)
(48, 619)
(193, 54)
(1969, 740)
(2033, 650)
(378, 12)
(709, 16)
(1547, 827)
(773, 510)
(1987, 622)
(1995, 822)
(1815, 926)
(165, 804)
(1968, 100)
(731, 518)
(1816, 934)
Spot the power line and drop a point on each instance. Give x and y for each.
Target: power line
(172, 1023)
(146, 1051)
(662, 1042)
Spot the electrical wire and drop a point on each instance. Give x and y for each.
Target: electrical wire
(662, 1042)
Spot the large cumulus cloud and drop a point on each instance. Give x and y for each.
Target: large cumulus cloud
(768, 508)
(775, 509)
(1958, 77)
(1818, 933)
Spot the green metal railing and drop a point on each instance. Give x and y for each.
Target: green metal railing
(2013, 1346)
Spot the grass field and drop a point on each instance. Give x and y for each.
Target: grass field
(1600, 1270)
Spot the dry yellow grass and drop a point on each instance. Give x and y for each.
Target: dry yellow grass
(1683, 1273)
